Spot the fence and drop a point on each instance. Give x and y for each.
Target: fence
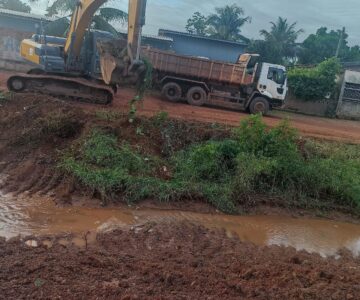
(349, 101)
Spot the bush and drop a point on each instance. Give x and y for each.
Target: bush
(314, 83)
(104, 166)
(224, 173)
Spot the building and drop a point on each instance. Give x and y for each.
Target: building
(349, 100)
(154, 41)
(352, 66)
(195, 45)
(14, 27)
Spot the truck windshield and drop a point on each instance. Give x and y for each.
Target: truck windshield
(277, 75)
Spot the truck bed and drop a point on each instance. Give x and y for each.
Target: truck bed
(198, 68)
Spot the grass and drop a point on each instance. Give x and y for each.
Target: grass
(5, 96)
(224, 172)
(107, 115)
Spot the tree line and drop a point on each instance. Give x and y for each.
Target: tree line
(278, 43)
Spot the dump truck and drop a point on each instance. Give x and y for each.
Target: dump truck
(247, 84)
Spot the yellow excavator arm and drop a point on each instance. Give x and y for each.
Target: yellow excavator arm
(82, 17)
(80, 22)
(128, 67)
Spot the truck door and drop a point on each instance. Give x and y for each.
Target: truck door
(272, 82)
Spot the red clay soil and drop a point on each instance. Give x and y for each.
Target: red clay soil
(330, 129)
(323, 128)
(172, 261)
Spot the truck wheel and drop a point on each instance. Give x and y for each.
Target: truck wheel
(196, 96)
(172, 91)
(259, 106)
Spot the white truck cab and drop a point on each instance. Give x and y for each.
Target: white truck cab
(273, 81)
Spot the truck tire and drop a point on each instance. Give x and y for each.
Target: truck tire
(259, 105)
(196, 96)
(172, 91)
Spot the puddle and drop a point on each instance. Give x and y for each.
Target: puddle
(24, 216)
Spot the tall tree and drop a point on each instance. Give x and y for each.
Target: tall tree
(281, 39)
(226, 23)
(197, 24)
(16, 5)
(267, 52)
(323, 45)
(102, 20)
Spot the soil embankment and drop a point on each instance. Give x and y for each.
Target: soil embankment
(158, 260)
(172, 261)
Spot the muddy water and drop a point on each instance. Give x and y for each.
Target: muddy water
(24, 216)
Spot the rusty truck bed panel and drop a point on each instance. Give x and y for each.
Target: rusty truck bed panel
(194, 67)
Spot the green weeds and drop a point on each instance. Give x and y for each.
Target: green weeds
(226, 172)
(106, 115)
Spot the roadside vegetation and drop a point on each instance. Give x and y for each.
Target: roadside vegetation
(315, 83)
(229, 171)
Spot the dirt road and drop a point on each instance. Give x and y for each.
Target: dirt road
(330, 129)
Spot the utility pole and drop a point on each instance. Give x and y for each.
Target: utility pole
(342, 34)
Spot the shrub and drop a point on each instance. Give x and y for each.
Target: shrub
(207, 161)
(314, 83)
(256, 160)
(104, 166)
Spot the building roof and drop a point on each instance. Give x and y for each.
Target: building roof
(351, 64)
(150, 36)
(190, 35)
(50, 19)
(25, 15)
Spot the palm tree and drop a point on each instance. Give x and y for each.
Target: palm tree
(101, 21)
(282, 37)
(16, 5)
(226, 23)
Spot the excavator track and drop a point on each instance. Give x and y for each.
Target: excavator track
(76, 89)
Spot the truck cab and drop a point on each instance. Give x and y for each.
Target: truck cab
(272, 82)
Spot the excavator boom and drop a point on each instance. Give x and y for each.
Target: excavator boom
(80, 22)
(137, 11)
(124, 67)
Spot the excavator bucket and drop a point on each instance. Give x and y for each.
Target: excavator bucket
(120, 59)
(118, 67)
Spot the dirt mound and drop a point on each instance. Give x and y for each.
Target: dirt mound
(35, 130)
(32, 129)
(172, 261)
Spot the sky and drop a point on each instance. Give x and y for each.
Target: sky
(309, 14)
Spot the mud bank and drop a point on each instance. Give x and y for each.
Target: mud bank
(36, 131)
(39, 216)
(172, 261)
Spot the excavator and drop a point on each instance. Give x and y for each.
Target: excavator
(80, 67)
